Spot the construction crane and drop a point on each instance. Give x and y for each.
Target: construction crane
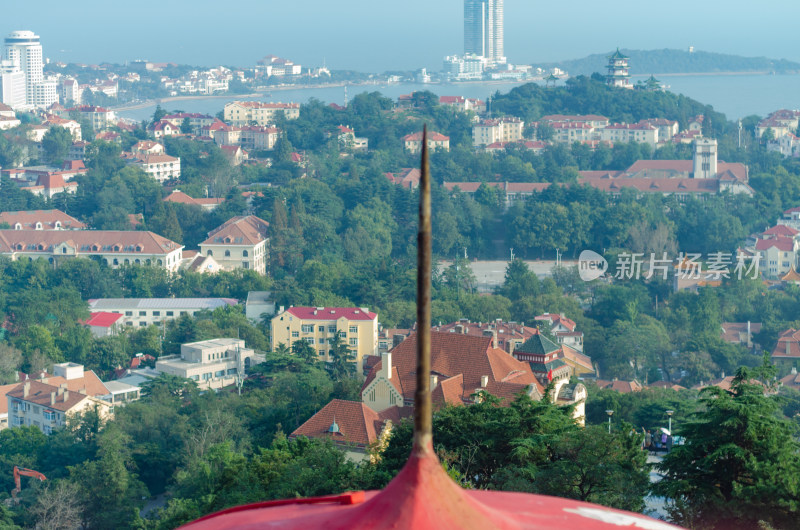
(19, 472)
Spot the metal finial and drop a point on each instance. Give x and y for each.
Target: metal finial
(423, 429)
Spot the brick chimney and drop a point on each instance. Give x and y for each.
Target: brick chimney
(52, 398)
(26, 389)
(66, 395)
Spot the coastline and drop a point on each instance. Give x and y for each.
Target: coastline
(714, 74)
(259, 92)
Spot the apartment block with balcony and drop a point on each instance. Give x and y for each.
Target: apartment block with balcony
(356, 326)
(258, 112)
(240, 243)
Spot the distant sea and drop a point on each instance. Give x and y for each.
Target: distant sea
(734, 95)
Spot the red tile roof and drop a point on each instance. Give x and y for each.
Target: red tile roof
(781, 230)
(784, 244)
(454, 354)
(40, 393)
(240, 230)
(180, 197)
(432, 137)
(348, 423)
(788, 346)
(332, 313)
(83, 240)
(48, 218)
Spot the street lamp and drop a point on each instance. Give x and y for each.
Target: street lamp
(670, 413)
(609, 412)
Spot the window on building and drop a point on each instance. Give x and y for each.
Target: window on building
(219, 373)
(156, 313)
(295, 334)
(353, 342)
(331, 329)
(128, 313)
(321, 329)
(308, 328)
(142, 313)
(227, 253)
(49, 415)
(170, 313)
(47, 429)
(142, 324)
(353, 329)
(244, 254)
(310, 340)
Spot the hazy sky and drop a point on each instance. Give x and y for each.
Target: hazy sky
(378, 35)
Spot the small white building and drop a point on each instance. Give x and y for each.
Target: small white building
(213, 364)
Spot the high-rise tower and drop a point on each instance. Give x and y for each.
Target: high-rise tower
(483, 29)
(25, 51)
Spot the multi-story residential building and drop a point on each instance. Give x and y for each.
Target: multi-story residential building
(47, 407)
(780, 122)
(116, 247)
(778, 255)
(12, 84)
(163, 128)
(240, 243)
(572, 131)
(161, 167)
(357, 328)
(259, 305)
(407, 178)
(142, 312)
(100, 118)
(594, 120)
(642, 133)
(787, 145)
(258, 112)
(45, 93)
(272, 65)
(147, 147)
(69, 91)
(50, 184)
(196, 121)
(787, 349)
(506, 129)
(24, 50)
(213, 364)
(483, 29)
(436, 141)
(41, 220)
(666, 128)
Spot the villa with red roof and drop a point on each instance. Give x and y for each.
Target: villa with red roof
(352, 426)
(787, 350)
(357, 327)
(778, 255)
(241, 242)
(407, 178)
(180, 197)
(505, 129)
(413, 142)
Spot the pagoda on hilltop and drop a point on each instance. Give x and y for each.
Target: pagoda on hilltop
(618, 75)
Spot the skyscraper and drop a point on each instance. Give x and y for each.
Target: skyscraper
(25, 51)
(483, 29)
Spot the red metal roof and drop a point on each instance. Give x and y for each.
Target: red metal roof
(103, 319)
(332, 313)
(423, 497)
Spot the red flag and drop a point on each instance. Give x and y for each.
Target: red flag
(550, 375)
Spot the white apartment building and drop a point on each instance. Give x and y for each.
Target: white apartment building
(213, 364)
(45, 93)
(161, 167)
(507, 129)
(12, 84)
(142, 312)
(258, 112)
(24, 49)
(642, 133)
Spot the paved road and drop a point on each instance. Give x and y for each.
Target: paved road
(490, 274)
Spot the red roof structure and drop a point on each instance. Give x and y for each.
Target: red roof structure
(332, 313)
(102, 319)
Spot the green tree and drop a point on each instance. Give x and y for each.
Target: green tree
(341, 363)
(739, 465)
(56, 143)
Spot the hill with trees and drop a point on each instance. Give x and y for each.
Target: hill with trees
(668, 61)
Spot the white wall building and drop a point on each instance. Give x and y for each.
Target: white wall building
(24, 49)
(213, 364)
(12, 84)
(142, 312)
